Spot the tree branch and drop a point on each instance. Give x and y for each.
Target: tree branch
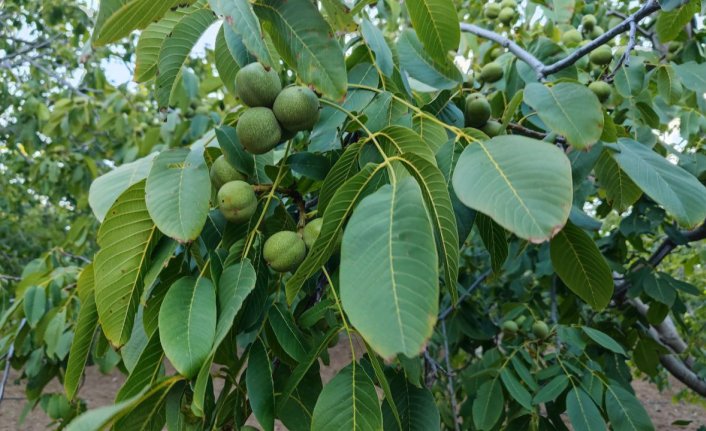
(647, 9)
(542, 70)
(514, 48)
(666, 332)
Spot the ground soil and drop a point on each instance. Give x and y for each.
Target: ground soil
(99, 390)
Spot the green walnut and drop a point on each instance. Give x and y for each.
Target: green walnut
(571, 38)
(674, 46)
(284, 251)
(496, 52)
(540, 330)
(491, 72)
(508, 3)
(258, 130)
(507, 15)
(601, 56)
(312, 231)
(492, 10)
(297, 108)
(222, 172)
(257, 86)
(601, 89)
(477, 111)
(596, 32)
(493, 128)
(237, 201)
(510, 327)
(588, 22)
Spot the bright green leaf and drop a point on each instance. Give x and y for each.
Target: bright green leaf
(569, 109)
(389, 272)
(178, 192)
(521, 183)
(187, 323)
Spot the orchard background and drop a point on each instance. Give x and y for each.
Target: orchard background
(493, 210)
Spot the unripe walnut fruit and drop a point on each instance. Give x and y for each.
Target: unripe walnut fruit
(477, 111)
(312, 231)
(284, 251)
(222, 172)
(297, 108)
(258, 130)
(257, 86)
(601, 56)
(601, 89)
(491, 72)
(510, 327)
(540, 330)
(492, 10)
(237, 201)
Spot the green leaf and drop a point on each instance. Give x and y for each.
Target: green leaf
(133, 15)
(693, 75)
(582, 411)
(518, 392)
(521, 183)
(604, 340)
(240, 17)
(630, 81)
(621, 191)
(126, 238)
(187, 323)
(679, 192)
(551, 390)
(146, 369)
(404, 140)
(494, 239)
(234, 152)
(106, 188)
(670, 24)
(669, 85)
(437, 74)
(436, 24)
(376, 41)
(389, 272)
(348, 401)
(101, 417)
(150, 42)
(313, 356)
(178, 192)
(625, 412)
(345, 167)
(658, 289)
(176, 49)
(438, 201)
(488, 405)
(568, 109)
(258, 379)
(149, 414)
(581, 266)
(83, 334)
(35, 304)
(305, 41)
(417, 409)
(287, 334)
(334, 217)
(225, 63)
(234, 286)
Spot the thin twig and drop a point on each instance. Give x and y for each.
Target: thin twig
(625, 58)
(450, 377)
(444, 314)
(8, 359)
